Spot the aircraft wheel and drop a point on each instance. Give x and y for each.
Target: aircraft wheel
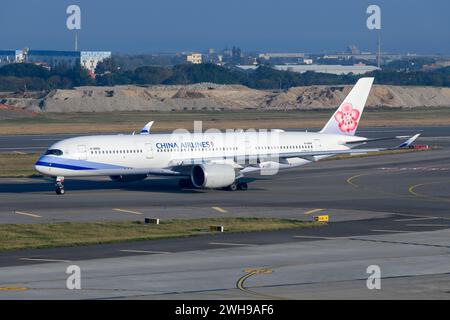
(242, 186)
(233, 187)
(60, 190)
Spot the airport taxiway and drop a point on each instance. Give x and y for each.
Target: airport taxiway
(391, 211)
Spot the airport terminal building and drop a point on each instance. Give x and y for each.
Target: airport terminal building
(54, 58)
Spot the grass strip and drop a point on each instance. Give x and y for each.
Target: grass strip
(64, 234)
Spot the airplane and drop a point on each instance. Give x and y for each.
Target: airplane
(210, 160)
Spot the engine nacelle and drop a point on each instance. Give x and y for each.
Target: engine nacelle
(212, 175)
(128, 177)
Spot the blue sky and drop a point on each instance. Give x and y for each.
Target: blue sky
(138, 26)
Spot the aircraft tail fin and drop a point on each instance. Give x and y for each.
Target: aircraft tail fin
(346, 118)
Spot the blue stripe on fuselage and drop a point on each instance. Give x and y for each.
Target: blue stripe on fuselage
(72, 164)
(62, 166)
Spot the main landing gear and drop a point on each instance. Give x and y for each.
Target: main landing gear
(237, 185)
(59, 185)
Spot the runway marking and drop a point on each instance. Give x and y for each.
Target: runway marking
(143, 251)
(416, 219)
(412, 191)
(19, 152)
(27, 214)
(349, 180)
(428, 225)
(219, 209)
(229, 244)
(393, 231)
(321, 238)
(13, 288)
(249, 273)
(312, 211)
(127, 211)
(43, 260)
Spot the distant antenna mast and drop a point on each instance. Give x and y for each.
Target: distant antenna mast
(374, 23)
(379, 49)
(73, 21)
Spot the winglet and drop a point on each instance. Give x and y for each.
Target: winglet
(146, 128)
(408, 142)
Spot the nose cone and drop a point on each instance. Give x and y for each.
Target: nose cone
(41, 167)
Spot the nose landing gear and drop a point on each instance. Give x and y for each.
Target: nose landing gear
(59, 185)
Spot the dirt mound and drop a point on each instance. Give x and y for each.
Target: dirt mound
(209, 96)
(188, 94)
(10, 112)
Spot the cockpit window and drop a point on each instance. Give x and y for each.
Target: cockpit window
(55, 152)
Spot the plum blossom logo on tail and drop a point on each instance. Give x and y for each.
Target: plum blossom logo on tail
(347, 118)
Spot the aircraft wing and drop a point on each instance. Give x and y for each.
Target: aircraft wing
(365, 140)
(182, 166)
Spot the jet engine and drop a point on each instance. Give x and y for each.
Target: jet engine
(212, 175)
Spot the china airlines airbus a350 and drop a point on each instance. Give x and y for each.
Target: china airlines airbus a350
(209, 159)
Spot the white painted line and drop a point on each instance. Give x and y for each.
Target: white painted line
(143, 251)
(416, 219)
(321, 238)
(394, 231)
(127, 211)
(230, 244)
(44, 260)
(27, 214)
(314, 210)
(219, 209)
(428, 225)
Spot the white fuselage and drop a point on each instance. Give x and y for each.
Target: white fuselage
(110, 155)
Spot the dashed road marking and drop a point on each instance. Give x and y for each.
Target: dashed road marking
(393, 231)
(416, 219)
(321, 238)
(12, 288)
(127, 211)
(428, 225)
(219, 209)
(27, 214)
(229, 244)
(43, 260)
(313, 211)
(143, 251)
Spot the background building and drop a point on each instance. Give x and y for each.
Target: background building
(194, 58)
(7, 57)
(53, 58)
(332, 69)
(90, 59)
